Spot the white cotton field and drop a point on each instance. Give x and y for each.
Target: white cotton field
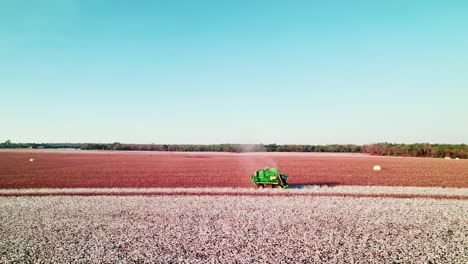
(207, 229)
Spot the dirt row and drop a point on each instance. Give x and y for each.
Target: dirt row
(259, 194)
(72, 169)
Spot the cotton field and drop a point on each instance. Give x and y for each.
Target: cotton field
(122, 207)
(229, 228)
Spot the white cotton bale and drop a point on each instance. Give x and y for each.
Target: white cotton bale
(32, 160)
(457, 158)
(377, 168)
(447, 158)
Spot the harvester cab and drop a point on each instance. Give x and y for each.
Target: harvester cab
(268, 176)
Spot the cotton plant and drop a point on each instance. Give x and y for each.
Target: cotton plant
(227, 229)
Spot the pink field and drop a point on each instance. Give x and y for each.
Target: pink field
(108, 169)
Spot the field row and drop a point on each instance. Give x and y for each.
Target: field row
(306, 191)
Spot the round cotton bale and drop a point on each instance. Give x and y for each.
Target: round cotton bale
(32, 160)
(377, 168)
(457, 158)
(447, 158)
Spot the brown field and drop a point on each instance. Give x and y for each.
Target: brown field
(108, 169)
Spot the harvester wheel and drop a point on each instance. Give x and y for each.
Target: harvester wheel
(279, 187)
(260, 186)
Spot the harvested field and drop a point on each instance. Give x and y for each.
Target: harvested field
(232, 228)
(108, 169)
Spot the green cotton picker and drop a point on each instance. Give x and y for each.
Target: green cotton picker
(271, 177)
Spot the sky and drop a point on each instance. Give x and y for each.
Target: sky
(204, 72)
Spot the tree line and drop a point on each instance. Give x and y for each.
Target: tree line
(385, 149)
(418, 150)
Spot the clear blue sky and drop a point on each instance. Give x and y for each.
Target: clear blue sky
(312, 72)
